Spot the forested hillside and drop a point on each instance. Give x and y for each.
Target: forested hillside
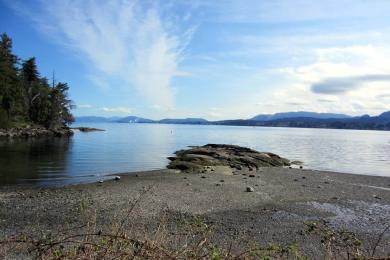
(27, 98)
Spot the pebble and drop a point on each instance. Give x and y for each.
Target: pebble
(100, 181)
(303, 177)
(117, 178)
(185, 178)
(203, 177)
(222, 180)
(218, 184)
(301, 167)
(326, 182)
(319, 187)
(377, 197)
(335, 198)
(250, 189)
(295, 179)
(252, 176)
(188, 184)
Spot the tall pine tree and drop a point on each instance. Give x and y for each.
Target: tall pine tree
(27, 97)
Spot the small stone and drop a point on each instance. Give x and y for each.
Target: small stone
(100, 181)
(245, 178)
(203, 177)
(244, 174)
(295, 179)
(303, 177)
(117, 178)
(222, 180)
(257, 185)
(319, 187)
(188, 184)
(251, 175)
(258, 176)
(301, 167)
(218, 184)
(250, 169)
(335, 198)
(377, 197)
(136, 175)
(326, 182)
(185, 178)
(250, 189)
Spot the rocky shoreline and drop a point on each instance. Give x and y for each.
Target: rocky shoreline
(31, 132)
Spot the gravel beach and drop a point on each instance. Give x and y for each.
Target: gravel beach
(281, 201)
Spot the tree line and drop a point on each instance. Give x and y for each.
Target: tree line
(27, 98)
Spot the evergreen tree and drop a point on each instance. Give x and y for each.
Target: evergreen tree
(25, 96)
(10, 92)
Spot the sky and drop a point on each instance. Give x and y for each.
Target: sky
(206, 58)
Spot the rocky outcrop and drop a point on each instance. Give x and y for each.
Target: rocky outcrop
(35, 132)
(87, 129)
(197, 158)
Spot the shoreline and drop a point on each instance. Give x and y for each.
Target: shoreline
(275, 212)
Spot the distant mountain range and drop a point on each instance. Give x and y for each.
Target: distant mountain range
(288, 119)
(298, 114)
(134, 119)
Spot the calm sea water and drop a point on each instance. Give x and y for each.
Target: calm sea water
(137, 147)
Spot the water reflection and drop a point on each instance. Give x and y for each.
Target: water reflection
(137, 147)
(33, 160)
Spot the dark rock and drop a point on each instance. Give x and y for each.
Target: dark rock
(32, 132)
(250, 189)
(251, 175)
(87, 129)
(117, 178)
(197, 158)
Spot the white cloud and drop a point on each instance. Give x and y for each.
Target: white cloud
(125, 40)
(345, 80)
(117, 110)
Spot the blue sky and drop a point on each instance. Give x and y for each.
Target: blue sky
(210, 59)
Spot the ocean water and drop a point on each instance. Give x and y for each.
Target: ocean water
(129, 148)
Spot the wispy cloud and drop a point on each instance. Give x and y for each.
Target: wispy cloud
(125, 40)
(117, 110)
(84, 106)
